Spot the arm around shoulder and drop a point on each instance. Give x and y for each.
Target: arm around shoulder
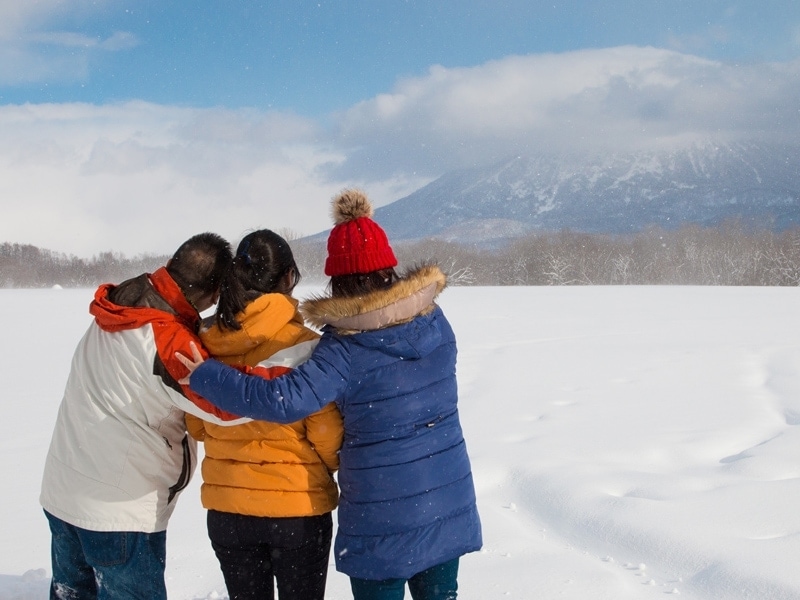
(285, 399)
(172, 339)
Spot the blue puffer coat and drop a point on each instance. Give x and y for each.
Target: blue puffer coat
(389, 361)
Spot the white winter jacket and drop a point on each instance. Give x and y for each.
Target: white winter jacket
(120, 455)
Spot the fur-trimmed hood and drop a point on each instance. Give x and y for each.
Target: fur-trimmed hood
(412, 295)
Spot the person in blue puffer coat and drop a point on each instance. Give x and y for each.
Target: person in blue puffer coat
(387, 357)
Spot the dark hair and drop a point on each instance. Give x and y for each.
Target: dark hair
(262, 260)
(356, 284)
(199, 265)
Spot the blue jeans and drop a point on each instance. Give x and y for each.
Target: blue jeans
(106, 565)
(437, 583)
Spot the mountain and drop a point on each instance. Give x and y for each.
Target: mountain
(705, 183)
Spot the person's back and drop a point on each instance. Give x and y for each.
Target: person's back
(268, 487)
(387, 357)
(120, 455)
(404, 470)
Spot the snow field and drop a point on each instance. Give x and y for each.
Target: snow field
(627, 443)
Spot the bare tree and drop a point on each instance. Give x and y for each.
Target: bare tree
(729, 254)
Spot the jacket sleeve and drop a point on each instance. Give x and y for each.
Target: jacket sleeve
(285, 399)
(325, 432)
(171, 338)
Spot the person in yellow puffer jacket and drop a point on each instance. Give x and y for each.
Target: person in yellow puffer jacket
(268, 488)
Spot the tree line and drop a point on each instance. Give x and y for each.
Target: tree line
(730, 254)
(26, 266)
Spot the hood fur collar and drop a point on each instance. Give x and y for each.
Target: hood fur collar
(412, 295)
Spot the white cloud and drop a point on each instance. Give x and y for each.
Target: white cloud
(795, 35)
(139, 177)
(703, 40)
(119, 40)
(15, 16)
(31, 52)
(614, 98)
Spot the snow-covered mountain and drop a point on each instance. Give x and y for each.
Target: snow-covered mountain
(705, 183)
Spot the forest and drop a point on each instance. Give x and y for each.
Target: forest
(691, 255)
(729, 254)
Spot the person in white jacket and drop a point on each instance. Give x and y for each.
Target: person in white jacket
(119, 454)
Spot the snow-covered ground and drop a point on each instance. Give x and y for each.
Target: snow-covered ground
(627, 443)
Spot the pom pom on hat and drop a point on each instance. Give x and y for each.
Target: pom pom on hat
(351, 205)
(356, 244)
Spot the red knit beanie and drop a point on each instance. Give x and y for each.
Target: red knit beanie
(356, 244)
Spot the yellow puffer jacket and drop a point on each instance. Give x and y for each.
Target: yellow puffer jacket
(265, 469)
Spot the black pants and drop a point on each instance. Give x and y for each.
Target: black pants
(253, 552)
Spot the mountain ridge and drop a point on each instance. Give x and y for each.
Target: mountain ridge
(705, 183)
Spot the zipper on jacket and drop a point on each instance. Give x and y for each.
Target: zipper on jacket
(186, 471)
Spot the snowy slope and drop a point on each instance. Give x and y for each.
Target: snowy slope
(704, 183)
(627, 443)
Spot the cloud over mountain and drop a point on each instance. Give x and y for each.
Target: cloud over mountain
(139, 177)
(617, 99)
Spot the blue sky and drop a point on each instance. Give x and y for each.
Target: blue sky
(235, 115)
(316, 57)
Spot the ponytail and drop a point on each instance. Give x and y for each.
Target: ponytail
(262, 259)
